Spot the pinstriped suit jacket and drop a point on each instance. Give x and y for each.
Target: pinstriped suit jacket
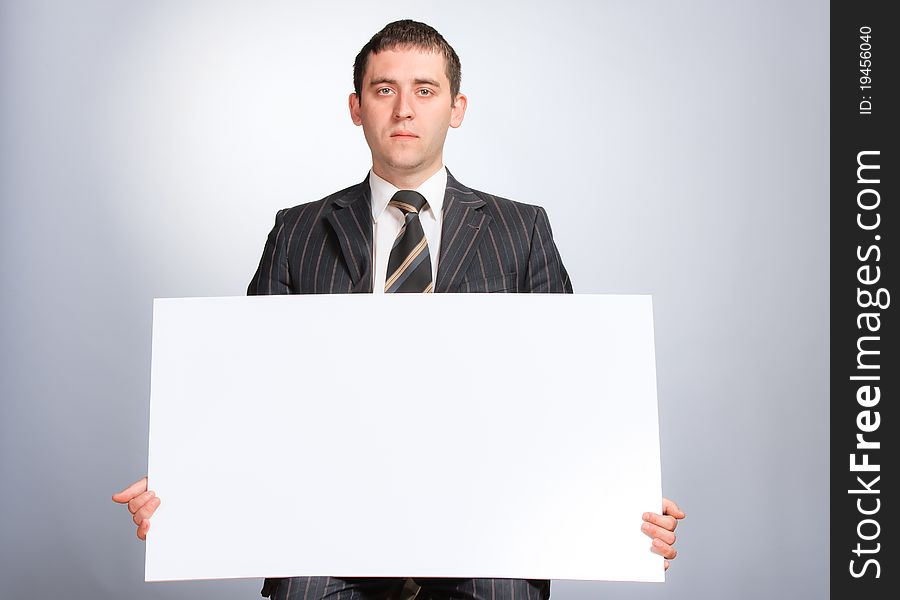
(488, 244)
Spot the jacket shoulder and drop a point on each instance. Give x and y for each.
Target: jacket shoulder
(301, 212)
(499, 206)
(492, 202)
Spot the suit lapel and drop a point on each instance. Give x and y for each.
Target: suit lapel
(463, 227)
(351, 222)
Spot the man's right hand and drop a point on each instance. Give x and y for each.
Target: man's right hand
(142, 503)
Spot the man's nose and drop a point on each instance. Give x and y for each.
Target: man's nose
(403, 108)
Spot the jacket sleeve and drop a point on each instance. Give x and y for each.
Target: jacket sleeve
(272, 276)
(546, 272)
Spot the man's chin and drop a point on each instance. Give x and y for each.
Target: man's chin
(406, 166)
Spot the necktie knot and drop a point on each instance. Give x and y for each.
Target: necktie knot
(408, 201)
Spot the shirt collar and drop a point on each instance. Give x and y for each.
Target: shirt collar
(432, 188)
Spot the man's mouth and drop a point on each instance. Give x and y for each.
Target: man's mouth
(407, 135)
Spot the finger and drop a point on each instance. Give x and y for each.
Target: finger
(665, 565)
(135, 504)
(146, 511)
(670, 508)
(663, 549)
(138, 487)
(142, 529)
(655, 531)
(669, 523)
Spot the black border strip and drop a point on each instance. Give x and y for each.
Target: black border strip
(864, 368)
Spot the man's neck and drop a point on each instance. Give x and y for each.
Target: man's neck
(406, 181)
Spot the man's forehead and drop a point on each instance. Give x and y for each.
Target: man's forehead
(406, 63)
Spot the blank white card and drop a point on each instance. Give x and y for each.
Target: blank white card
(432, 435)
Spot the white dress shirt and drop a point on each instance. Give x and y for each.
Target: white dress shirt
(388, 220)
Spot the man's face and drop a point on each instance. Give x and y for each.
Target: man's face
(405, 107)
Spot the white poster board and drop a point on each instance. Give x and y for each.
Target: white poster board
(434, 435)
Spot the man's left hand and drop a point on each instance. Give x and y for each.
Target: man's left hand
(661, 529)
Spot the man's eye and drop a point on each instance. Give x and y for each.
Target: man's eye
(384, 91)
(425, 92)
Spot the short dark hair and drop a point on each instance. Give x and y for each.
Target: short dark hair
(408, 34)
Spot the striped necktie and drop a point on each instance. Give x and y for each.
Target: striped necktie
(409, 265)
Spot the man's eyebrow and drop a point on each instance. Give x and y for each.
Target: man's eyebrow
(382, 80)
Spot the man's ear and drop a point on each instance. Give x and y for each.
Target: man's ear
(354, 109)
(458, 110)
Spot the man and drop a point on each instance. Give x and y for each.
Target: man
(409, 227)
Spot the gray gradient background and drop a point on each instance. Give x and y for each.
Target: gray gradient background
(680, 149)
